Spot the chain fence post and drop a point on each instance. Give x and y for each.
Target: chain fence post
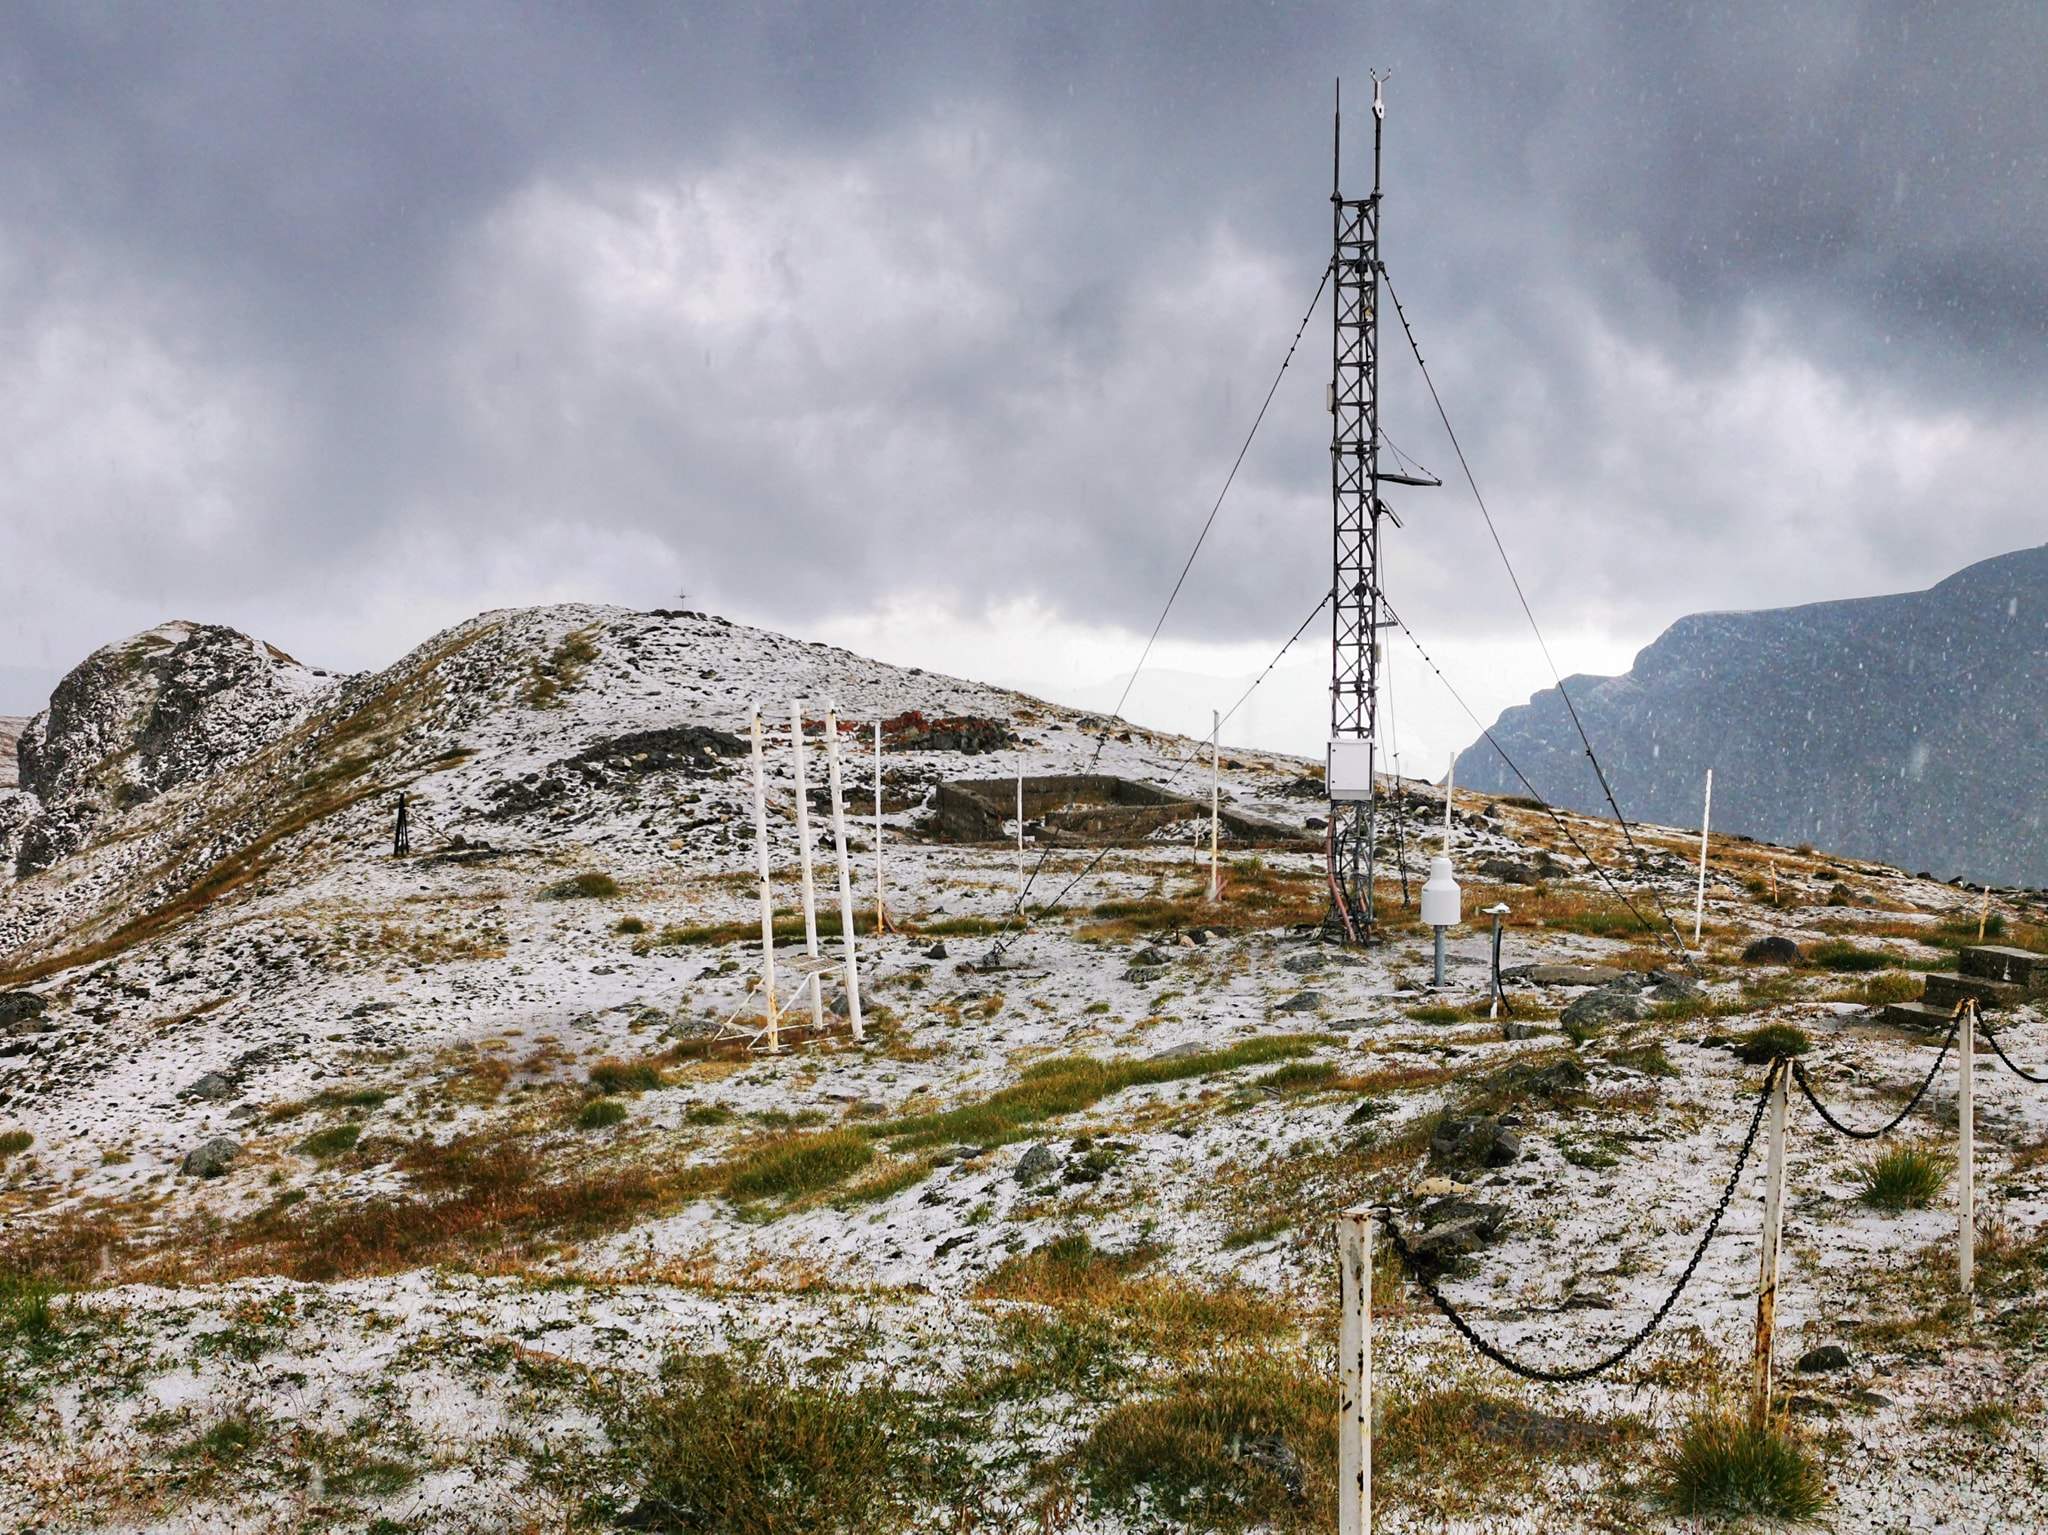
(1767, 1277)
(1966, 1155)
(1354, 1373)
(767, 889)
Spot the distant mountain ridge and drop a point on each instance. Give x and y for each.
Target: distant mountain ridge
(1911, 729)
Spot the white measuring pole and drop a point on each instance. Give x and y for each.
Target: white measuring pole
(1215, 805)
(1767, 1277)
(1450, 773)
(881, 911)
(1699, 901)
(1020, 833)
(1966, 1155)
(1354, 1373)
(767, 890)
(803, 838)
(845, 870)
(1984, 914)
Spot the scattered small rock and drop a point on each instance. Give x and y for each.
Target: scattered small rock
(1037, 1162)
(1474, 1140)
(1302, 1002)
(1829, 1356)
(212, 1158)
(1514, 1030)
(1772, 950)
(1594, 1010)
(211, 1088)
(937, 951)
(20, 1007)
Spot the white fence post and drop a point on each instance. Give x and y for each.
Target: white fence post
(1354, 1373)
(881, 908)
(767, 890)
(803, 838)
(845, 872)
(1767, 1277)
(1966, 1157)
(1215, 804)
(1699, 901)
(1020, 833)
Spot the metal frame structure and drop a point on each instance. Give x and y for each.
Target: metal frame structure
(1355, 480)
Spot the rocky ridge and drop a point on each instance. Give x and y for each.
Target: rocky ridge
(1911, 729)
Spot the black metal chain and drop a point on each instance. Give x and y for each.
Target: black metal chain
(1799, 1076)
(1998, 1050)
(1600, 1366)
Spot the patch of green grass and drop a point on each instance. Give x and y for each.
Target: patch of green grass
(630, 925)
(229, 1439)
(1649, 1059)
(600, 1113)
(1252, 1236)
(26, 1315)
(1069, 1084)
(1217, 1449)
(1298, 1076)
(1902, 1178)
(614, 1076)
(12, 1141)
(331, 1142)
(1845, 958)
(1721, 1466)
(1437, 1012)
(707, 1114)
(591, 885)
(800, 1164)
(1761, 1046)
(727, 1447)
(372, 1479)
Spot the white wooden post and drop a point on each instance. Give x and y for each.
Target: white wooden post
(845, 870)
(1767, 1277)
(1354, 1373)
(803, 838)
(1699, 901)
(767, 891)
(881, 909)
(1966, 1157)
(1215, 805)
(1984, 914)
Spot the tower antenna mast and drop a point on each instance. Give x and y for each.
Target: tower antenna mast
(1357, 510)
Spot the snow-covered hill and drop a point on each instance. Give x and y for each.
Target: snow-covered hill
(376, 1189)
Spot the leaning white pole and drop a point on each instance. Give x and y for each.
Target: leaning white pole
(881, 911)
(1215, 805)
(1020, 833)
(845, 871)
(803, 838)
(1354, 1373)
(767, 890)
(1966, 1154)
(1699, 901)
(1767, 1276)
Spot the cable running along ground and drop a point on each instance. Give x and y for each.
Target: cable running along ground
(1806, 1088)
(1673, 943)
(1521, 597)
(1607, 1362)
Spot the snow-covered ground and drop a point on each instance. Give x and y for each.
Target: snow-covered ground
(401, 1052)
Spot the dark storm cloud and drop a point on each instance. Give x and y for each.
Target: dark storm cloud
(805, 307)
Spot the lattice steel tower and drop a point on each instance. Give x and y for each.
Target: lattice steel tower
(1355, 480)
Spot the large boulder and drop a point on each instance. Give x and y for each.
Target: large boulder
(1474, 1140)
(212, 1158)
(1593, 1010)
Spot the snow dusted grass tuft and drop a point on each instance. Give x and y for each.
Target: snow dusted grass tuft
(1721, 1466)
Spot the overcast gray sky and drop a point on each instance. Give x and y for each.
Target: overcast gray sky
(935, 328)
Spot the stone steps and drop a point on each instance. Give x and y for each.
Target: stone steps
(1995, 975)
(1945, 991)
(1922, 1016)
